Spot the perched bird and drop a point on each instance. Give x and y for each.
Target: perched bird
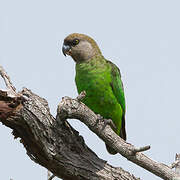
(100, 78)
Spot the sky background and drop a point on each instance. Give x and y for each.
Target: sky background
(141, 37)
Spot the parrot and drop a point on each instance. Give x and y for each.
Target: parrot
(100, 79)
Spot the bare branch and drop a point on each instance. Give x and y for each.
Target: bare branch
(81, 96)
(7, 80)
(141, 149)
(70, 108)
(51, 143)
(54, 144)
(49, 176)
(52, 177)
(176, 164)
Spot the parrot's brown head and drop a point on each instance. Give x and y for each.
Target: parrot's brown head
(80, 47)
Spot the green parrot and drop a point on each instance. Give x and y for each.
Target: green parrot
(100, 78)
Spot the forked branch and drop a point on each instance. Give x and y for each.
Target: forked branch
(54, 144)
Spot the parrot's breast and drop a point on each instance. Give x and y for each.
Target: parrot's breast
(99, 95)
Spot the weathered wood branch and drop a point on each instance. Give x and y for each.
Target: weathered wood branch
(49, 176)
(54, 144)
(71, 108)
(176, 164)
(11, 89)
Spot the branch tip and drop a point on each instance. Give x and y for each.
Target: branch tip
(49, 176)
(176, 164)
(7, 81)
(52, 177)
(81, 96)
(141, 149)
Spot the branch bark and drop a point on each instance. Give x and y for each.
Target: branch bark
(71, 108)
(54, 144)
(50, 176)
(176, 164)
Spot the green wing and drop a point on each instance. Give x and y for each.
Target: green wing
(117, 85)
(118, 90)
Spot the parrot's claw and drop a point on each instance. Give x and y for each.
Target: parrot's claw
(110, 123)
(106, 122)
(99, 118)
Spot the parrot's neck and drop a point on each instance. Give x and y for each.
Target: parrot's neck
(93, 63)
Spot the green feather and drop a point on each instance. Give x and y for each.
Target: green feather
(105, 94)
(117, 85)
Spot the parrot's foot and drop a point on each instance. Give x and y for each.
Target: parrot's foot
(110, 123)
(99, 118)
(106, 122)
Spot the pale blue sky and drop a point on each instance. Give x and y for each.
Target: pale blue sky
(141, 37)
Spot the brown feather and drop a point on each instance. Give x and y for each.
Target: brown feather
(73, 36)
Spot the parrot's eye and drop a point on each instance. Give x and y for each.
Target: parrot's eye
(75, 42)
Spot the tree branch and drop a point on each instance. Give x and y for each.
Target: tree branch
(49, 176)
(71, 108)
(140, 149)
(176, 164)
(53, 143)
(11, 89)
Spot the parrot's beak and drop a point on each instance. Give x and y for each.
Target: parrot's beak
(66, 49)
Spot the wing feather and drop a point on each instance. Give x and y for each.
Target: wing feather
(118, 90)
